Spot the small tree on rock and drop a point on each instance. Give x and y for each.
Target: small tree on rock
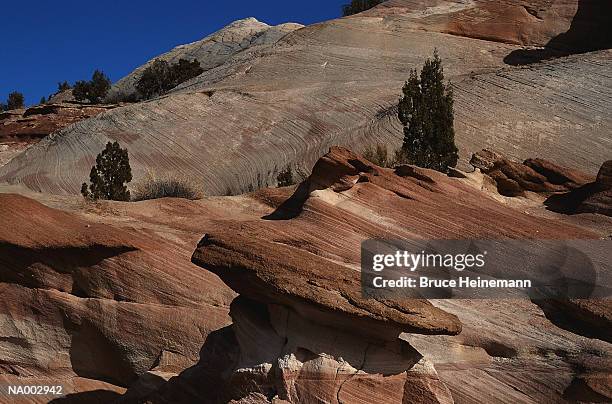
(94, 90)
(357, 6)
(285, 178)
(63, 86)
(110, 175)
(426, 111)
(161, 77)
(15, 100)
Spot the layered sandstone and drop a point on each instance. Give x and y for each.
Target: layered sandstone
(338, 82)
(535, 175)
(22, 128)
(593, 197)
(301, 332)
(93, 306)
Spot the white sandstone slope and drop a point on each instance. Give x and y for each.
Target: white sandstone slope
(261, 108)
(215, 49)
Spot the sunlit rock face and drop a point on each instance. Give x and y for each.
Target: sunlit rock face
(272, 97)
(301, 331)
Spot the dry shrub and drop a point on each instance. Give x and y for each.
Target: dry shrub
(165, 187)
(378, 155)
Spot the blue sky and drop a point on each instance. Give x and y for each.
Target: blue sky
(44, 41)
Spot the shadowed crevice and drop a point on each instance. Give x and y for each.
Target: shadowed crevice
(591, 30)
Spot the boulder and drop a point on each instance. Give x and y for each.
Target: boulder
(593, 197)
(301, 330)
(83, 300)
(535, 175)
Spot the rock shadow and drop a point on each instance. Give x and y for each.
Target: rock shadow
(89, 397)
(23, 266)
(571, 318)
(293, 206)
(591, 30)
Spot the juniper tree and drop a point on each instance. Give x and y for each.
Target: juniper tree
(94, 90)
(15, 100)
(161, 76)
(426, 112)
(154, 80)
(63, 86)
(110, 175)
(357, 6)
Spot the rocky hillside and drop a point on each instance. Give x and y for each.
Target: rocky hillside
(21, 128)
(214, 50)
(259, 109)
(114, 280)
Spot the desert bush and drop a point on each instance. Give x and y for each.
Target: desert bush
(110, 175)
(426, 112)
(357, 6)
(94, 90)
(285, 178)
(160, 77)
(168, 187)
(378, 155)
(15, 100)
(120, 96)
(63, 86)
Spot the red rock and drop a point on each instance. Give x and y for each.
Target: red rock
(594, 197)
(89, 300)
(535, 175)
(302, 331)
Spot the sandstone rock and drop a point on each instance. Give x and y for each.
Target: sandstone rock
(285, 358)
(536, 175)
(281, 347)
(141, 311)
(563, 25)
(85, 300)
(594, 197)
(214, 50)
(40, 120)
(338, 82)
(604, 177)
(20, 129)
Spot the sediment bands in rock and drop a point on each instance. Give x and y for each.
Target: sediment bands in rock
(302, 333)
(284, 102)
(93, 306)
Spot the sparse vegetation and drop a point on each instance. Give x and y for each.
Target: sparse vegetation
(160, 77)
(63, 86)
(110, 175)
(285, 178)
(168, 187)
(120, 96)
(43, 100)
(94, 90)
(426, 111)
(15, 101)
(357, 6)
(378, 155)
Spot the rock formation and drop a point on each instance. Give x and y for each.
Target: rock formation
(22, 128)
(535, 175)
(338, 82)
(594, 197)
(302, 333)
(214, 50)
(565, 25)
(94, 306)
